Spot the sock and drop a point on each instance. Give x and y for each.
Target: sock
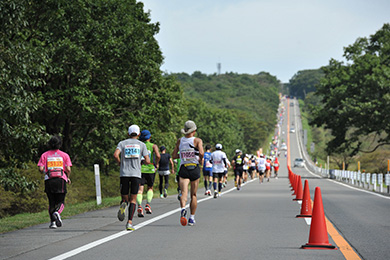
(210, 184)
(205, 184)
(139, 199)
(219, 187)
(149, 196)
(131, 210)
(193, 217)
(215, 186)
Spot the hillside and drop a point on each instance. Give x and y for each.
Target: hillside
(252, 99)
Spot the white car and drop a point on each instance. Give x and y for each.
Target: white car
(292, 130)
(283, 147)
(299, 162)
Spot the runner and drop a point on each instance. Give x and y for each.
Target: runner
(177, 161)
(191, 155)
(128, 155)
(219, 161)
(245, 168)
(276, 167)
(252, 166)
(261, 167)
(268, 167)
(148, 174)
(226, 174)
(207, 170)
(55, 164)
(238, 163)
(163, 171)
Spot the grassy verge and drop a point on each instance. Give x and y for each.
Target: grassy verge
(20, 221)
(24, 220)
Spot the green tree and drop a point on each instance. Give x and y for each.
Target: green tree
(356, 95)
(304, 82)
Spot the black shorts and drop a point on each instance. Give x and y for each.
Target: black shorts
(131, 183)
(218, 175)
(189, 173)
(261, 172)
(238, 171)
(55, 185)
(147, 178)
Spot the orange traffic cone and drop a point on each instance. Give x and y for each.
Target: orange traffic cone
(299, 195)
(295, 184)
(318, 237)
(306, 202)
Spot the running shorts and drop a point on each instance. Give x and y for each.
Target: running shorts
(147, 178)
(207, 172)
(55, 185)
(129, 185)
(238, 171)
(218, 175)
(192, 173)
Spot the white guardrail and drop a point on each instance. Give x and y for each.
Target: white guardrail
(377, 182)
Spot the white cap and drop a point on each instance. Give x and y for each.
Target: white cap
(218, 146)
(238, 150)
(134, 129)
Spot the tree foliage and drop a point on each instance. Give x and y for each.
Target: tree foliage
(356, 95)
(251, 99)
(82, 69)
(304, 82)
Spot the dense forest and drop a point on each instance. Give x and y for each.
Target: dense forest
(86, 70)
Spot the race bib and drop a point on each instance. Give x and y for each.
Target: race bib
(132, 151)
(239, 160)
(188, 155)
(208, 164)
(55, 163)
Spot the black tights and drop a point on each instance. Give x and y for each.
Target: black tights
(166, 179)
(56, 203)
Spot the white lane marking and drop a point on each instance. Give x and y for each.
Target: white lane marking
(122, 233)
(308, 221)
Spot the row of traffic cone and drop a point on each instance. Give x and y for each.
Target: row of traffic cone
(318, 237)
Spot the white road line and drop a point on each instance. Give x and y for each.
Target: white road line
(123, 233)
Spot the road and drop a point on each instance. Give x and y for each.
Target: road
(257, 222)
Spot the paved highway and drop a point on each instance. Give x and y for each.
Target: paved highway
(257, 222)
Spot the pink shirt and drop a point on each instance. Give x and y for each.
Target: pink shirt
(55, 159)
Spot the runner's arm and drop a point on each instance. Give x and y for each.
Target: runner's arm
(175, 154)
(199, 144)
(116, 156)
(157, 153)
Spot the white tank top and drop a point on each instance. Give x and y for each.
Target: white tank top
(187, 151)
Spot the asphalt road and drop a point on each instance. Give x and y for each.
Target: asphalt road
(257, 222)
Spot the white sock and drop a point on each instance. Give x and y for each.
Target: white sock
(192, 216)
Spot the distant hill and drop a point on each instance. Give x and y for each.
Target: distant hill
(252, 99)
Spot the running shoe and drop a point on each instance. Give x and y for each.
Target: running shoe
(121, 211)
(57, 217)
(223, 185)
(183, 218)
(140, 212)
(53, 225)
(209, 192)
(191, 222)
(276, 177)
(165, 193)
(215, 194)
(148, 209)
(206, 192)
(129, 227)
(161, 196)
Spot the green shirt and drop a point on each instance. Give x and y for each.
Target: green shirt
(148, 168)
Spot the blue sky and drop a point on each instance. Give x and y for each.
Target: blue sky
(248, 36)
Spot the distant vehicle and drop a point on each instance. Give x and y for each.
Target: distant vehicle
(292, 130)
(291, 104)
(299, 162)
(283, 147)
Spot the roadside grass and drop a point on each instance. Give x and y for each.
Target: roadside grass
(24, 220)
